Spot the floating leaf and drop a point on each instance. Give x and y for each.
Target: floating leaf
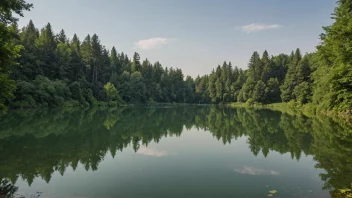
(273, 191)
(270, 195)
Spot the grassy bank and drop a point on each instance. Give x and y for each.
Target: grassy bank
(292, 108)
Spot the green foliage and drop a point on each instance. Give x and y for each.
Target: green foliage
(138, 88)
(9, 51)
(6, 89)
(76, 91)
(259, 94)
(272, 91)
(333, 77)
(9, 7)
(112, 93)
(41, 92)
(302, 93)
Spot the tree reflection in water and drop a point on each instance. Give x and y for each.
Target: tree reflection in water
(52, 140)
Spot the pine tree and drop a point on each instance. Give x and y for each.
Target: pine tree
(136, 65)
(86, 54)
(76, 62)
(29, 35)
(64, 53)
(212, 87)
(267, 70)
(76, 44)
(61, 37)
(115, 65)
(29, 65)
(46, 44)
(255, 68)
(291, 79)
(96, 57)
(46, 39)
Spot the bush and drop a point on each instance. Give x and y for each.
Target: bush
(41, 92)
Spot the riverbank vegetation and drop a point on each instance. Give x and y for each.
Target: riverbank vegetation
(42, 68)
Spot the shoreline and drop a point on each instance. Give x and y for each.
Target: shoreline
(308, 110)
(291, 108)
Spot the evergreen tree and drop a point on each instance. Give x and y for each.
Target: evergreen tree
(61, 37)
(136, 65)
(115, 65)
(86, 54)
(96, 50)
(46, 39)
(255, 68)
(267, 70)
(291, 79)
(76, 59)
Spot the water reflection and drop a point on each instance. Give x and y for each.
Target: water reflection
(7, 189)
(152, 152)
(255, 171)
(37, 143)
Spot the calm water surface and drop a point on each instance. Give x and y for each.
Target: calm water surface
(172, 152)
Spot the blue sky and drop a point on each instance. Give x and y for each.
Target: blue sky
(194, 35)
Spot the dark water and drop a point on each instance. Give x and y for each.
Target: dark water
(172, 152)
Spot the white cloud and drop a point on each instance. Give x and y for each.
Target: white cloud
(151, 43)
(152, 152)
(256, 27)
(255, 171)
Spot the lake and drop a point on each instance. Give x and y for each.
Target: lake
(172, 151)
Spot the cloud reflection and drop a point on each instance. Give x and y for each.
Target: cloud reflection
(255, 171)
(152, 152)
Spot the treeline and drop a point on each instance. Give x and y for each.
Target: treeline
(57, 139)
(267, 80)
(53, 70)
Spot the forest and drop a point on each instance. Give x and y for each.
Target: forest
(39, 67)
